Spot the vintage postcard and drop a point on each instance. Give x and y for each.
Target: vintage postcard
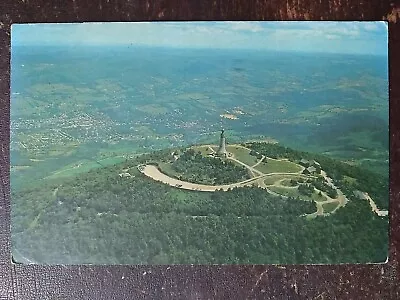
(199, 143)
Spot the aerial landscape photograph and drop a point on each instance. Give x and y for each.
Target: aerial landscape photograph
(199, 143)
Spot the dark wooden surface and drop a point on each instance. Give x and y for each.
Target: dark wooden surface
(198, 282)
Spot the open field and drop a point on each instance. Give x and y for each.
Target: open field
(111, 160)
(76, 168)
(83, 166)
(242, 154)
(59, 150)
(269, 180)
(329, 207)
(273, 166)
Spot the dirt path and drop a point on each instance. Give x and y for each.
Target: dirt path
(341, 197)
(260, 161)
(254, 171)
(375, 208)
(320, 209)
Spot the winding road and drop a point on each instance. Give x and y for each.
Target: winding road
(154, 173)
(258, 178)
(375, 209)
(260, 161)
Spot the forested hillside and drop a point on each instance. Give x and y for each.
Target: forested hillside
(104, 218)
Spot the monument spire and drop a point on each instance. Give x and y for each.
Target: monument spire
(222, 146)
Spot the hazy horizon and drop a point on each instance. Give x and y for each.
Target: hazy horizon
(313, 37)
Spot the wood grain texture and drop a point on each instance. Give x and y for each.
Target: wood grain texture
(7, 291)
(4, 141)
(198, 282)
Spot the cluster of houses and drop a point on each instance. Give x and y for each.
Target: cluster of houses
(311, 167)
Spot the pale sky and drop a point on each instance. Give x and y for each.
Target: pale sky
(313, 36)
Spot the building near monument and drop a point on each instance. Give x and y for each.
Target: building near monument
(304, 162)
(311, 169)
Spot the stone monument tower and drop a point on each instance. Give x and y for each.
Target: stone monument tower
(222, 149)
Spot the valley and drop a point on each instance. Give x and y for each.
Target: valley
(115, 159)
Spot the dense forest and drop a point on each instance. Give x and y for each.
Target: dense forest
(192, 166)
(102, 218)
